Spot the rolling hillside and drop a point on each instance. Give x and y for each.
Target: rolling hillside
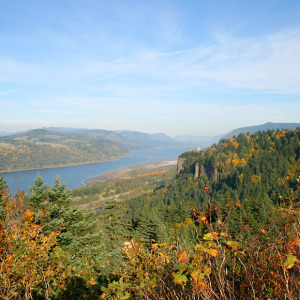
(41, 148)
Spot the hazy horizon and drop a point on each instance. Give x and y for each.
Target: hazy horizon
(201, 68)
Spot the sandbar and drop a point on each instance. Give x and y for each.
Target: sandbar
(122, 171)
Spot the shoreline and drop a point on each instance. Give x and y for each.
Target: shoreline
(64, 165)
(118, 172)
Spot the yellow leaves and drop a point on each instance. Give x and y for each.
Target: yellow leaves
(92, 281)
(164, 258)
(238, 161)
(234, 142)
(212, 252)
(202, 219)
(233, 245)
(290, 261)
(188, 222)
(243, 161)
(155, 247)
(29, 217)
(208, 236)
(235, 162)
(281, 134)
(256, 178)
(198, 275)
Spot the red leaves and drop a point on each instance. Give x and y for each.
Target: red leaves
(205, 188)
(182, 256)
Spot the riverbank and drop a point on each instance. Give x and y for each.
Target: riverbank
(74, 176)
(123, 171)
(64, 165)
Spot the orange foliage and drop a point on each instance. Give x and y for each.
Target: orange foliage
(31, 261)
(150, 173)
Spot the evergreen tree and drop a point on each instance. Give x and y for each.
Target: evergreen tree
(38, 195)
(116, 226)
(76, 228)
(3, 195)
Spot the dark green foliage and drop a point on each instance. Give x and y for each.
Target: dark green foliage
(38, 193)
(253, 170)
(3, 194)
(78, 233)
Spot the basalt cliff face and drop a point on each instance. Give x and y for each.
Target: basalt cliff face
(180, 162)
(199, 170)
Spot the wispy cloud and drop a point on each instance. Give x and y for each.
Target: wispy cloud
(264, 63)
(115, 65)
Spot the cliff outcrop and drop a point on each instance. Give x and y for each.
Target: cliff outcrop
(180, 162)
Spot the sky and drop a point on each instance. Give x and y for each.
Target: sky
(198, 67)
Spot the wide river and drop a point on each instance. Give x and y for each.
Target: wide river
(75, 175)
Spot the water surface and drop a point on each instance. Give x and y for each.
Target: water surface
(75, 175)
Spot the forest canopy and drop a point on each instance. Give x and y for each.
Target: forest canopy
(226, 227)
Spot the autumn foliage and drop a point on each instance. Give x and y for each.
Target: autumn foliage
(232, 233)
(255, 265)
(32, 264)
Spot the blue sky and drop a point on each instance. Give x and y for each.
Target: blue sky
(200, 67)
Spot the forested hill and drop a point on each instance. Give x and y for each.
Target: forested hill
(263, 127)
(226, 227)
(41, 148)
(232, 210)
(253, 170)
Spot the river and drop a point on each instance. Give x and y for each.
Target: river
(75, 175)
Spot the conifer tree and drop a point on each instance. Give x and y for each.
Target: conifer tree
(38, 193)
(76, 228)
(3, 194)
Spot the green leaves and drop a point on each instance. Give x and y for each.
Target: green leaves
(117, 289)
(208, 237)
(290, 261)
(181, 274)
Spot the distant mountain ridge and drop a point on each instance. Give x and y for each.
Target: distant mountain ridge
(206, 141)
(130, 140)
(263, 127)
(134, 140)
(5, 133)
